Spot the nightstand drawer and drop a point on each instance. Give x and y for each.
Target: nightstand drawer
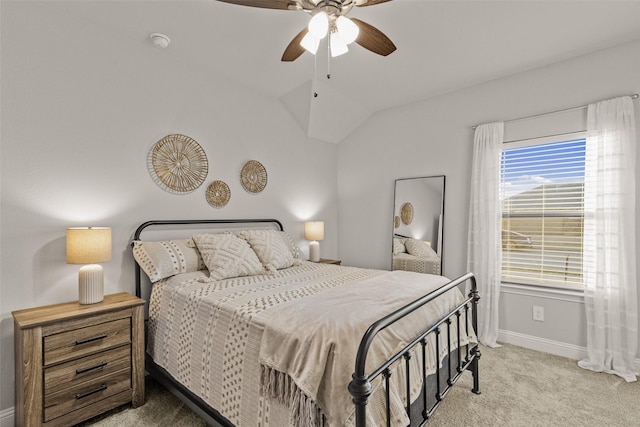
(86, 393)
(74, 372)
(84, 341)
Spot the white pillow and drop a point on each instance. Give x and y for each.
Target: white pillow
(398, 245)
(167, 258)
(270, 247)
(227, 255)
(419, 248)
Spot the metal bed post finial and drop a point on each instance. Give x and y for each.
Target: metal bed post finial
(360, 389)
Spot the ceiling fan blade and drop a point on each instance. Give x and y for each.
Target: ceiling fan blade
(371, 2)
(294, 50)
(267, 4)
(373, 39)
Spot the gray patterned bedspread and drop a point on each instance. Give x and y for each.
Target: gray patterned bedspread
(279, 349)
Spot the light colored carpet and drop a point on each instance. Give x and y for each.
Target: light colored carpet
(520, 387)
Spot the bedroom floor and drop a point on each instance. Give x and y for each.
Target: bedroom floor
(520, 387)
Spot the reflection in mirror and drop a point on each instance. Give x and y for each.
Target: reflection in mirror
(418, 215)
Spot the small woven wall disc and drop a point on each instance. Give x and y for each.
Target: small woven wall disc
(218, 194)
(253, 176)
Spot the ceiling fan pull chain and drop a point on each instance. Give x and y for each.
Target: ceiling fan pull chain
(328, 61)
(315, 76)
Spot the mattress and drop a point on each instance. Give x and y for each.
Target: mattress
(278, 349)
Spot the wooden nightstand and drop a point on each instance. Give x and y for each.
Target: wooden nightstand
(75, 361)
(330, 261)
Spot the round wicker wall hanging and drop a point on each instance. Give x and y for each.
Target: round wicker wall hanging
(178, 164)
(396, 221)
(406, 213)
(218, 194)
(253, 176)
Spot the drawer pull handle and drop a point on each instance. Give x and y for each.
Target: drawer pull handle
(89, 393)
(92, 368)
(86, 340)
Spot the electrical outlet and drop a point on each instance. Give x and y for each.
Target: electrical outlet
(538, 313)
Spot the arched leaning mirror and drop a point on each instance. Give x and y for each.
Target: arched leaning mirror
(418, 215)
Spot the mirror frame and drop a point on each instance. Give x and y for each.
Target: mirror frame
(442, 212)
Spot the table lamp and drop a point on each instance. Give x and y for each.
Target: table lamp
(314, 231)
(89, 245)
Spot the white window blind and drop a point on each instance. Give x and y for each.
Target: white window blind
(542, 193)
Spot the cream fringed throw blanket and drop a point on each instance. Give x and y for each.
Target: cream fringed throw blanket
(275, 350)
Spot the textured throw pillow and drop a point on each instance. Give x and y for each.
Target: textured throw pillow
(271, 249)
(295, 250)
(419, 248)
(398, 245)
(226, 255)
(167, 258)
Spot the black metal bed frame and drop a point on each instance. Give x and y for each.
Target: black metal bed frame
(360, 386)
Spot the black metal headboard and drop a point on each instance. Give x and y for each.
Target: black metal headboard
(171, 222)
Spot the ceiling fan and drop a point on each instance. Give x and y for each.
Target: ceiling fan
(328, 18)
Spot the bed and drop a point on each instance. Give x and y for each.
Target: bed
(415, 255)
(305, 345)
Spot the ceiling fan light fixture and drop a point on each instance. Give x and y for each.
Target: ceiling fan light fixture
(347, 29)
(338, 46)
(319, 25)
(310, 43)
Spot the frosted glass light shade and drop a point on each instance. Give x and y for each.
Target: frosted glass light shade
(319, 25)
(347, 29)
(314, 230)
(338, 46)
(310, 43)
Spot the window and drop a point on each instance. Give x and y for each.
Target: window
(542, 194)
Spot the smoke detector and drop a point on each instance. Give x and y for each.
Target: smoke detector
(160, 40)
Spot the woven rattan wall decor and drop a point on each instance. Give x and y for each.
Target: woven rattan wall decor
(406, 213)
(396, 221)
(253, 176)
(218, 194)
(178, 164)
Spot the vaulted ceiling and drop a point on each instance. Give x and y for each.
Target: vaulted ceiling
(442, 46)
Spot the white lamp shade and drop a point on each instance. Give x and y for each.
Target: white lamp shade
(310, 43)
(347, 29)
(319, 25)
(338, 46)
(88, 245)
(314, 230)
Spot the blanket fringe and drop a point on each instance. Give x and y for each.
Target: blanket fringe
(280, 386)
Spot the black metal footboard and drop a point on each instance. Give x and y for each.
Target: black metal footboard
(360, 386)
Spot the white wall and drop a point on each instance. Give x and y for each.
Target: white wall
(435, 137)
(80, 110)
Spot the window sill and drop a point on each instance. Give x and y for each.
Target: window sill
(571, 295)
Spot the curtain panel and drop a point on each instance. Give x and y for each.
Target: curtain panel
(484, 251)
(609, 239)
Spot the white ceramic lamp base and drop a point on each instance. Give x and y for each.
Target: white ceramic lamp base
(90, 284)
(314, 251)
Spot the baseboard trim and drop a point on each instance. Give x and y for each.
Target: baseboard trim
(7, 417)
(558, 348)
(544, 345)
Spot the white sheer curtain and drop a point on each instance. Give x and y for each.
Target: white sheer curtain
(609, 239)
(484, 251)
